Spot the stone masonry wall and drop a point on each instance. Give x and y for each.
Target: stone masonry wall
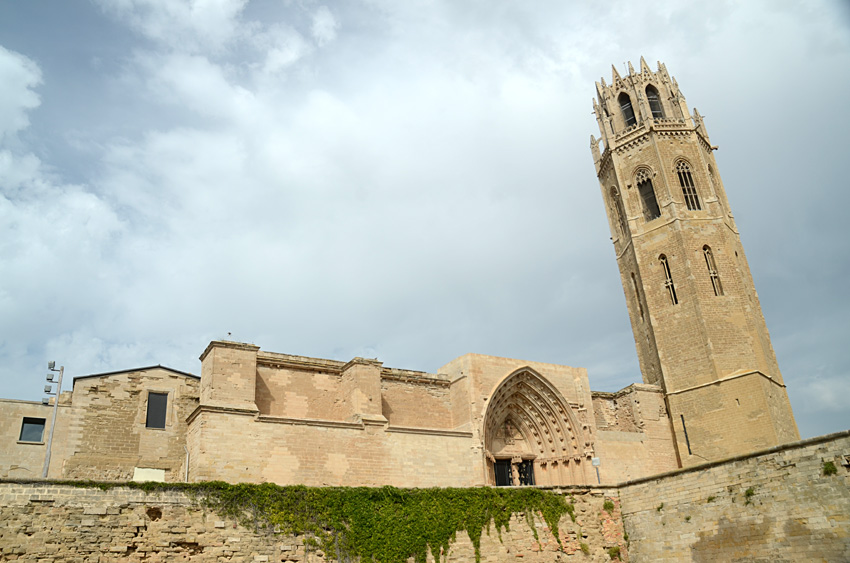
(774, 506)
(51, 522)
(777, 505)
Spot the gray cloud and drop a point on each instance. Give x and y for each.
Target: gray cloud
(389, 179)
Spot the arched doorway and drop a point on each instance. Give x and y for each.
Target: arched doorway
(532, 436)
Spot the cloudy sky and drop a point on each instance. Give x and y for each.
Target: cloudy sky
(409, 180)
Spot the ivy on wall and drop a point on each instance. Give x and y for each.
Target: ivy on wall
(380, 525)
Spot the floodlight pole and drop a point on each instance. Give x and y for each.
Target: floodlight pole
(61, 371)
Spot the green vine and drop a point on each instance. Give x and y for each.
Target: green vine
(379, 525)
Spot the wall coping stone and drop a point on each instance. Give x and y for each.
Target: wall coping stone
(775, 449)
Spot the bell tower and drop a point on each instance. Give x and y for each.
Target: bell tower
(698, 326)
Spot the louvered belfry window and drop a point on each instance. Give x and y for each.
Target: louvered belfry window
(647, 195)
(626, 107)
(654, 102)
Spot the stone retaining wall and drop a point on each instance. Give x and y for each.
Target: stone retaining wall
(50, 522)
(773, 506)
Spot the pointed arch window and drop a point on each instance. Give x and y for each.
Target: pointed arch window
(712, 270)
(637, 296)
(689, 190)
(626, 107)
(668, 280)
(617, 204)
(654, 102)
(647, 195)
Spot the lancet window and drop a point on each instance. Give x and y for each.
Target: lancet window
(617, 205)
(712, 270)
(626, 107)
(647, 195)
(668, 279)
(654, 102)
(689, 190)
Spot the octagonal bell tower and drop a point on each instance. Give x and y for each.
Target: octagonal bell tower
(698, 326)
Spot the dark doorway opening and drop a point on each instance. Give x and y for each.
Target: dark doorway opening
(502, 469)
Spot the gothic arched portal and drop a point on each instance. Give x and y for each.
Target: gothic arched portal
(532, 436)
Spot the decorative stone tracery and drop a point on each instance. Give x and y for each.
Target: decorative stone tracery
(528, 419)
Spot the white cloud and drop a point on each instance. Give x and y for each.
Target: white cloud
(196, 84)
(325, 26)
(18, 75)
(188, 25)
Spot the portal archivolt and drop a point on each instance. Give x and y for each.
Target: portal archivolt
(532, 436)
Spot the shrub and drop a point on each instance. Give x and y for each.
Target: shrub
(829, 468)
(608, 506)
(614, 552)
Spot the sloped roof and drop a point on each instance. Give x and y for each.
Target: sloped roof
(109, 373)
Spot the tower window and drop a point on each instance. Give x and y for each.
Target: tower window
(617, 205)
(688, 188)
(647, 195)
(626, 108)
(637, 296)
(712, 270)
(668, 279)
(654, 102)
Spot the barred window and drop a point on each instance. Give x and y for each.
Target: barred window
(689, 190)
(647, 195)
(668, 279)
(626, 108)
(654, 102)
(712, 270)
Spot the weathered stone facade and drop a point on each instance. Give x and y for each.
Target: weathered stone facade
(383, 426)
(102, 431)
(698, 326)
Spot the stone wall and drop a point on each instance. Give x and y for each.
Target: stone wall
(52, 522)
(22, 459)
(777, 505)
(108, 436)
(634, 437)
(101, 431)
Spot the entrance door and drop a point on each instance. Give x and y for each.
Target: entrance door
(502, 469)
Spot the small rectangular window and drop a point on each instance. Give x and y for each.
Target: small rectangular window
(157, 403)
(32, 430)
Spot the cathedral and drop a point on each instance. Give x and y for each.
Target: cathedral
(711, 385)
